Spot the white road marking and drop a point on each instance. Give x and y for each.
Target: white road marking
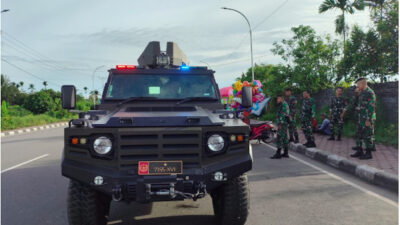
(24, 163)
(391, 202)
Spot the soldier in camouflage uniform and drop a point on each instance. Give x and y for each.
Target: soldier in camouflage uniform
(282, 119)
(353, 106)
(291, 100)
(366, 103)
(308, 112)
(337, 110)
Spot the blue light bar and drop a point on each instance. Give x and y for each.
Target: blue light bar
(185, 67)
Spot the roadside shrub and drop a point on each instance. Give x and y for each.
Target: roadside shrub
(39, 102)
(16, 110)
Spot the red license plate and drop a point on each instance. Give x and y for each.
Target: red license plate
(160, 167)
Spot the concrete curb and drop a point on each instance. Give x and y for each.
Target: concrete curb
(32, 129)
(366, 173)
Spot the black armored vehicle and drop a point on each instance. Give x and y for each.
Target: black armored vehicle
(160, 133)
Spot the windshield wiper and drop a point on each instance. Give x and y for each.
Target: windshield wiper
(196, 98)
(136, 98)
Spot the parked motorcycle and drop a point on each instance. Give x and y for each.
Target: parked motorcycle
(260, 130)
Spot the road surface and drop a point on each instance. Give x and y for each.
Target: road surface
(295, 191)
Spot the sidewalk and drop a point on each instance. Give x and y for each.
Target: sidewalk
(384, 158)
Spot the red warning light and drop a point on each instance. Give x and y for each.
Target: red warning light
(125, 67)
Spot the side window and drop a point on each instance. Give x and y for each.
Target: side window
(109, 91)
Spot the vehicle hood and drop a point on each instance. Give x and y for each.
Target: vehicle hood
(164, 116)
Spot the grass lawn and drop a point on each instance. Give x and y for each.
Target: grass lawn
(15, 122)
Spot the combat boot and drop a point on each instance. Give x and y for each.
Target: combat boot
(332, 138)
(367, 155)
(358, 154)
(339, 137)
(291, 139)
(296, 139)
(285, 153)
(277, 154)
(356, 148)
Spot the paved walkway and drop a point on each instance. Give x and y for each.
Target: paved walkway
(384, 158)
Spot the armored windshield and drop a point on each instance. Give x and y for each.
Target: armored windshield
(164, 86)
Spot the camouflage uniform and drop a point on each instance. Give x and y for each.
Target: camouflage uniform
(308, 112)
(354, 106)
(292, 114)
(338, 104)
(367, 103)
(282, 119)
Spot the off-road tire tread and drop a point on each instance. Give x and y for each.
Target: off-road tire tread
(86, 206)
(235, 202)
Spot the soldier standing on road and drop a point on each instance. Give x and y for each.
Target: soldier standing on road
(308, 113)
(282, 119)
(354, 106)
(336, 112)
(366, 103)
(292, 101)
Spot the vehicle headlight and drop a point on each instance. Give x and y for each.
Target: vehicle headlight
(102, 145)
(216, 142)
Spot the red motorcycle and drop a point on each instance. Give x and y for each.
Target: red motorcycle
(260, 130)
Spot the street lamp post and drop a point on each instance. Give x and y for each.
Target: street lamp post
(251, 39)
(94, 72)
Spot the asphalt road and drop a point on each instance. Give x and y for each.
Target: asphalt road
(295, 191)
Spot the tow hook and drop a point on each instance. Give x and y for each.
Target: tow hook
(201, 192)
(117, 193)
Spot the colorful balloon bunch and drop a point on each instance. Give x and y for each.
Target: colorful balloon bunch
(258, 95)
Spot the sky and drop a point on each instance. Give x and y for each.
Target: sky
(64, 41)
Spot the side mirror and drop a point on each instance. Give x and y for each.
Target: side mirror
(247, 97)
(68, 96)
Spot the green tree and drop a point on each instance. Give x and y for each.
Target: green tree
(9, 91)
(376, 7)
(387, 26)
(373, 53)
(45, 84)
(311, 60)
(31, 88)
(39, 102)
(85, 89)
(346, 6)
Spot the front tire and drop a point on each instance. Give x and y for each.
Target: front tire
(86, 206)
(231, 202)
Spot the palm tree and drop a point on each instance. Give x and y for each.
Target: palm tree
(21, 85)
(31, 87)
(85, 89)
(376, 5)
(45, 84)
(346, 6)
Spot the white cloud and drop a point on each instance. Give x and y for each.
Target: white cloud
(85, 34)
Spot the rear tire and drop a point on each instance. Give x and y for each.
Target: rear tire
(86, 206)
(231, 202)
(267, 136)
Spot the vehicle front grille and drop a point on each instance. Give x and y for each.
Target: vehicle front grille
(159, 144)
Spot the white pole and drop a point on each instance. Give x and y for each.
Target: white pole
(251, 39)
